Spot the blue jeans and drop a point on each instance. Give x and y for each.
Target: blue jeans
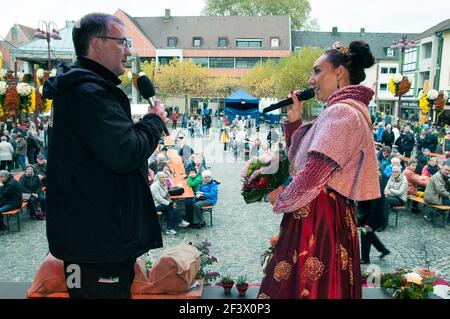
(173, 217)
(21, 159)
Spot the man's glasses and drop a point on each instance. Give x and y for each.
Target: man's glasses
(122, 41)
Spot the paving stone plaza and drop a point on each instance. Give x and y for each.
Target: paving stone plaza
(240, 233)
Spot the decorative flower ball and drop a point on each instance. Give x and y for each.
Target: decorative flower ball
(40, 73)
(398, 78)
(3, 87)
(432, 94)
(3, 73)
(24, 89)
(20, 75)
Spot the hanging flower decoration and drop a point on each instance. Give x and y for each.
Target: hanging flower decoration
(3, 88)
(25, 93)
(3, 73)
(12, 100)
(429, 99)
(399, 84)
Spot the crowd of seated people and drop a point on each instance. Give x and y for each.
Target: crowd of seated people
(199, 178)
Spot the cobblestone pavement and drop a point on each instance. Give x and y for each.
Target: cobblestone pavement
(240, 233)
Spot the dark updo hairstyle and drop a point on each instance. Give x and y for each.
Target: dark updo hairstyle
(359, 58)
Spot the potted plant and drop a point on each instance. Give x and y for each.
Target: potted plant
(227, 283)
(242, 285)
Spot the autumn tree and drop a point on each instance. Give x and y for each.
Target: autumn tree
(299, 10)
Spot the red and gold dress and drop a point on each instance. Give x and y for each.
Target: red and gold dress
(333, 163)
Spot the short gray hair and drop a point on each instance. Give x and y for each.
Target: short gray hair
(161, 174)
(206, 173)
(3, 138)
(4, 173)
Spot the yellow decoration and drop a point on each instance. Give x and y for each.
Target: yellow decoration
(392, 86)
(424, 104)
(48, 105)
(1, 60)
(32, 106)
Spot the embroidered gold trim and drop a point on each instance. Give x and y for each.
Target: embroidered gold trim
(305, 293)
(282, 271)
(313, 268)
(350, 222)
(344, 257)
(303, 212)
(311, 241)
(350, 271)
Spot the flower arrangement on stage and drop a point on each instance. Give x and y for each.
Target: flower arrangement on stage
(406, 285)
(263, 174)
(206, 260)
(25, 92)
(399, 84)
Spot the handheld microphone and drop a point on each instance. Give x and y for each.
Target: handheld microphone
(147, 90)
(302, 96)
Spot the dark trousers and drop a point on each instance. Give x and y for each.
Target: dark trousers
(189, 205)
(100, 281)
(367, 240)
(389, 202)
(6, 165)
(32, 204)
(173, 217)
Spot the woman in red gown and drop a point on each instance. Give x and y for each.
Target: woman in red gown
(332, 164)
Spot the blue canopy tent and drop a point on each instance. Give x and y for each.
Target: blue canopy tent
(241, 103)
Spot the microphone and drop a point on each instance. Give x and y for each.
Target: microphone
(302, 96)
(147, 90)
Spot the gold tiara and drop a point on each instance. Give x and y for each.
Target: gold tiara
(343, 49)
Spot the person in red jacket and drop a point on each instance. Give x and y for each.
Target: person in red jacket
(432, 167)
(415, 182)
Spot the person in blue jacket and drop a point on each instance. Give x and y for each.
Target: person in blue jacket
(205, 196)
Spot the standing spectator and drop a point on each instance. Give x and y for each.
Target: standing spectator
(165, 205)
(428, 140)
(32, 147)
(21, 150)
(446, 143)
(405, 142)
(272, 136)
(6, 134)
(207, 123)
(388, 119)
(32, 192)
(396, 132)
(174, 119)
(10, 195)
(206, 196)
(380, 133)
(224, 139)
(184, 120)
(388, 137)
(6, 154)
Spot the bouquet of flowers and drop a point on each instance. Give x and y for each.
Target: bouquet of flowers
(406, 285)
(263, 174)
(399, 84)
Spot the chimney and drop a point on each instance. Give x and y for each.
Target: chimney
(363, 31)
(334, 31)
(167, 14)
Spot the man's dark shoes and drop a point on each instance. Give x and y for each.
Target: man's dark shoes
(199, 225)
(383, 254)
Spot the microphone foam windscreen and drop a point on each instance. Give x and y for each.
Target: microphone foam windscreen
(145, 87)
(306, 94)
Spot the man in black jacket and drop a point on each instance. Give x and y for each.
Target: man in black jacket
(10, 195)
(100, 212)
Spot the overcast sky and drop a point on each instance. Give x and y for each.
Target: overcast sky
(413, 16)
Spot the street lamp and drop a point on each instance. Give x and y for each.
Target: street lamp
(402, 45)
(43, 32)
